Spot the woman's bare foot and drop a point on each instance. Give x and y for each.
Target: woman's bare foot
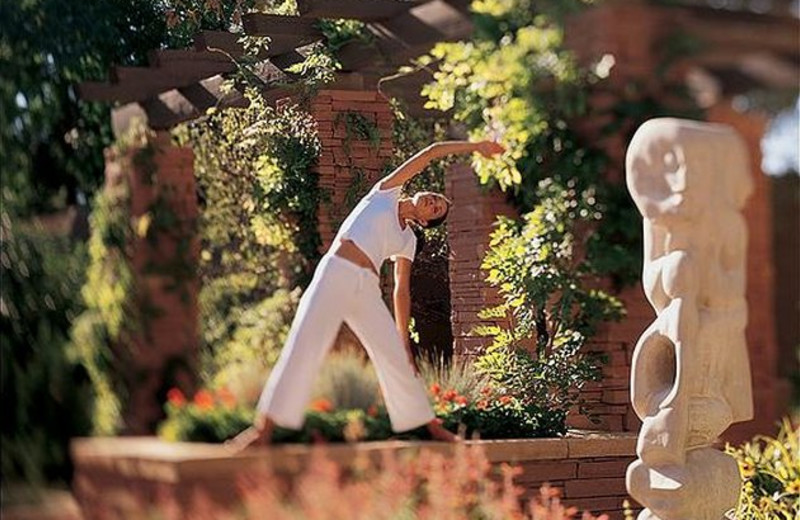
(439, 433)
(260, 434)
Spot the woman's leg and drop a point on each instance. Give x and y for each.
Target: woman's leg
(403, 392)
(313, 331)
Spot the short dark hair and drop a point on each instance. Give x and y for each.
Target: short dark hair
(438, 221)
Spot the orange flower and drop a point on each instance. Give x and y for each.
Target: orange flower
(176, 398)
(506, 399)
(435, 389)
(449, 395)
(485, 391)
(204, 400)
(226, 397)
(321, 405)
(462, 400)
(483, 404)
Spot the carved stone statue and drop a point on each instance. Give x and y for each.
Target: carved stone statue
(690, 376)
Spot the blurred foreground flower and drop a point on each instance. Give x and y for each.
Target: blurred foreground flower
(423, 485)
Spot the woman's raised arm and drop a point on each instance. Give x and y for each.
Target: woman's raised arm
(421, 159)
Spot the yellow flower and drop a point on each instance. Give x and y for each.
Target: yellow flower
(793, 487)
(747, 469)
(765, 504)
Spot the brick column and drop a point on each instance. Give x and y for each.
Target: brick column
(469, 225)
(348, 167)
(163, 351)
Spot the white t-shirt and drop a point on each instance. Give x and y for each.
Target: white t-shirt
(374, 227)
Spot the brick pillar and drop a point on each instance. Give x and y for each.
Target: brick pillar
(162, 352)
(770, 391)
(469, 225)
(348, 167)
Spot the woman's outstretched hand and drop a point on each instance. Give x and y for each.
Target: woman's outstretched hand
(489, 148)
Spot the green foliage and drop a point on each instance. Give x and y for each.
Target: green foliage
(348, 382)
(248, 339)
(50, 142)
(258, 228)
(458, 375)
(209, 417)
(339, 32)
(540, 275)
(45, 393)
(357, 127)
(260, 201)
(770, 469)
(109, 293)
(118, 309)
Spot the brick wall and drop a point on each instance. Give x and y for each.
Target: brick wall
(348, 167)
(163, 354)
(469, 224)
(142, 478)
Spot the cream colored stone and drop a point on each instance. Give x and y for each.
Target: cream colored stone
(690, 375)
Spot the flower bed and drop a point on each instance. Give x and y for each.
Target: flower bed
(134, 477)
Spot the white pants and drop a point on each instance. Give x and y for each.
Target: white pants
(341, 291)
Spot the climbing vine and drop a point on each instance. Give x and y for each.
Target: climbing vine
(118, 308)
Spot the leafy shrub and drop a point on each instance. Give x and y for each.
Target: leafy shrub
(256, 336)
(46, 394)
(348, 381)
(770, 469)
(547, 313)
(207, 417)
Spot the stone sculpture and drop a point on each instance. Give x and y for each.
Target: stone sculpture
(690, 376)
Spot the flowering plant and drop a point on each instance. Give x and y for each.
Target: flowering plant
(770, 469)
(209, 416)
(494, 415)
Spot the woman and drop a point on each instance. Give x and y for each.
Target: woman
(346, 288)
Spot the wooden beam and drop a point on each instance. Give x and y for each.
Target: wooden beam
(745, 31)
(407, 36)
(364, 10)
(176, 106)
(229, 43)
(163, 57)
(415, 32)
(257, 24)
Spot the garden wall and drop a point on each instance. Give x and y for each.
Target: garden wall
(134, 477)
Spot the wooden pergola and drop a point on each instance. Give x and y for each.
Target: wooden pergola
(180, 85)
(743, 50)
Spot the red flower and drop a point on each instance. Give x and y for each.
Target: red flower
(482, 404)
(372, 411)
(449, 395)
(506, 399)
(176, 398)
(435, 389)
(204, 400)
(485, 391)
(321, 405)
(462, 400)
(226, 397)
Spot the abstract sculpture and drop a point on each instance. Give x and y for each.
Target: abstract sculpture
(690, 376)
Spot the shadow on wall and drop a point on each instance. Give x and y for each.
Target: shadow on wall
(786, 253)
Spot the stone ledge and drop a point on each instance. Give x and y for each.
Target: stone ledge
(153, 459)
(137, 474)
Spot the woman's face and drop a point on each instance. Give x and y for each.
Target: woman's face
(429, 206)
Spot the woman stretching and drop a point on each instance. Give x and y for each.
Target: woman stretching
(346, 288)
